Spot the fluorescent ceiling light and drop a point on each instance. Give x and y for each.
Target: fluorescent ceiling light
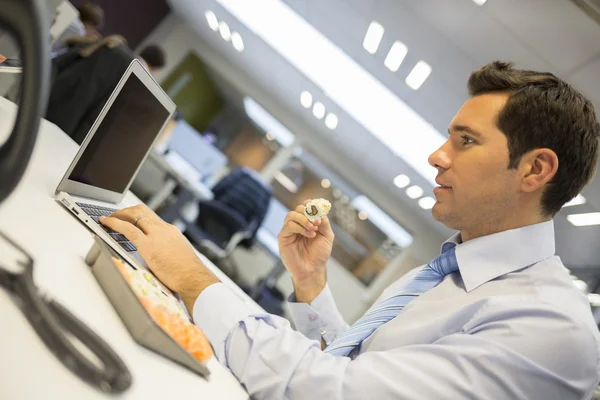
(584, 219)
(479, 2)
(224, 31)
(285, 182)
(319, 110)
(366, 99)
(373, 37)
(306, 99)
(383, 221)
(577, 201)
(427, 203)
(268, 123)
(331, 121)
(402, 181)
(236, 40)
(414, 192)
(418, 75)
(212, 20)
(395, 56)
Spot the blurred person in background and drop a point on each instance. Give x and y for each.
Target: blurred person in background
(84, 77)
(90, 20)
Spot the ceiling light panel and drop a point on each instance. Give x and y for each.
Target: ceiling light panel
(577, 201)
(373, 37)
(402, 181)
(224, 31)
(418, 75)
(587, 219)
(319, 110)
(414, 192)
(395, 56)
(236, 40)
(212, 20)
(306, 99)
(331, 121)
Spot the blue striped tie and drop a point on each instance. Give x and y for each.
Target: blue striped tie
(429, 277)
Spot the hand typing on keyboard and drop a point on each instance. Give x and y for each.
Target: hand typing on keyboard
(164, 249)
(96, 212)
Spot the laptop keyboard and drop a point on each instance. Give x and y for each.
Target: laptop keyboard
(95, 212)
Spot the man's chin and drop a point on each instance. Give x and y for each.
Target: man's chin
(442, 216)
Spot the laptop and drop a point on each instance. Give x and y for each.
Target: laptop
(121, 138)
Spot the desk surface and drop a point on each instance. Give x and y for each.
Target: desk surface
(59, 244)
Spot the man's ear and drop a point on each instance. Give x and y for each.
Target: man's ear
(538, 167)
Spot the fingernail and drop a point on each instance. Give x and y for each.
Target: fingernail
(102, 218)
(312, 233)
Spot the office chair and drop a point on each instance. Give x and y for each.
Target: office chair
(232, 218)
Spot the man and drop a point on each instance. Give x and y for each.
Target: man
(495, 316)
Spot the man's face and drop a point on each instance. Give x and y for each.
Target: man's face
(476, 189)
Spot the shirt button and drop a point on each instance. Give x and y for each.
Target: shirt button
(312, 317)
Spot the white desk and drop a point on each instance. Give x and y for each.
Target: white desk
(59, 244)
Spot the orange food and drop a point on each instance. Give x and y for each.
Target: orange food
(186, 334)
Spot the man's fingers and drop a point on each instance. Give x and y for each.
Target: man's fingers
(291, 228)
(325, 229)
(127, 229)
(301, 220)
(135, 214)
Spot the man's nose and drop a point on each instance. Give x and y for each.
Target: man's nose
(440, 158)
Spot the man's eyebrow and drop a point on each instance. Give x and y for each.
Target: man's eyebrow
(465, 129)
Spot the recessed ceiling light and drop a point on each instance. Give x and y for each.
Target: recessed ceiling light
(402, 181)
(325, 183)
(331, 121)
(395, 56)
(414, 192)
(270, 136)
(373, 37)
(236, 40)
(224, 31)
(212, 20)
(418, 75)
(319, 110)
(577, 201)
(362, 215)
(584, 219)
(306, 99)
(427, 203)
(479, 2)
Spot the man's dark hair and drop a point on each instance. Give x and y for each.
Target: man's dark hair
(543, 111)
(91, 14)
(154, 56)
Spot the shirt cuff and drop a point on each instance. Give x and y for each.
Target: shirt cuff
(319, 319)
(216, 312)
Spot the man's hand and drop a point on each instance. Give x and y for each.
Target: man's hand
(304, 248)
(165, 250)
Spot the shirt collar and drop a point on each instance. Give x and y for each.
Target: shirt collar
(488, 257)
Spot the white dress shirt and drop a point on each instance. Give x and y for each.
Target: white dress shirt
(511, 325)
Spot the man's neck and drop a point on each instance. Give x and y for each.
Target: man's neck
(490, 229)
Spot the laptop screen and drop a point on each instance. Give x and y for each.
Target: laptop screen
(123, 138)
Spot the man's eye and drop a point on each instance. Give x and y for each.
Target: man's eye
(467, 140)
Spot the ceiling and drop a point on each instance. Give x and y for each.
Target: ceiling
(454, 37)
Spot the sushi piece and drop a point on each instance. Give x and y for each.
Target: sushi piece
(316, 209)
